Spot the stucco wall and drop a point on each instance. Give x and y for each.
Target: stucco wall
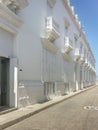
(6, 43)
(28, 49)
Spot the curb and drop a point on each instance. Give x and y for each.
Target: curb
(12, 122)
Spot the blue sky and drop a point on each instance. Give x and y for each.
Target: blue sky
(87, 11)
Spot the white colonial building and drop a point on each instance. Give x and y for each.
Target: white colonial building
(44, 52)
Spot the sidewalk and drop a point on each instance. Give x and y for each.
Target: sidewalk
(13, 117)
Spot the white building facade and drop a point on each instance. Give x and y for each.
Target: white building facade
(44, 52)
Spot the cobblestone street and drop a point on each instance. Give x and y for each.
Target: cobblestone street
(77, 113)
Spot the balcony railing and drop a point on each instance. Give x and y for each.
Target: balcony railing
(82, 59)
(76, 54)
(52, 29)
(68, 45)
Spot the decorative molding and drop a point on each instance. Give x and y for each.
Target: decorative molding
(48, 45)
(51, 3)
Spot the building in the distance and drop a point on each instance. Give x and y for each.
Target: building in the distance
(44, 52)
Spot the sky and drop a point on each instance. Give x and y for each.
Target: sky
(87, 11)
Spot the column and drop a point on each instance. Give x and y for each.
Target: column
(13, 82)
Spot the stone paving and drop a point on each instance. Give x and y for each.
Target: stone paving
(77, 113)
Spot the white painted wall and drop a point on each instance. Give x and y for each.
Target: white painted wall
(38, 65)
(6, 43)
(28, 49)
(31, 64)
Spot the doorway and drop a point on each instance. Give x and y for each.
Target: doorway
(4, 81)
